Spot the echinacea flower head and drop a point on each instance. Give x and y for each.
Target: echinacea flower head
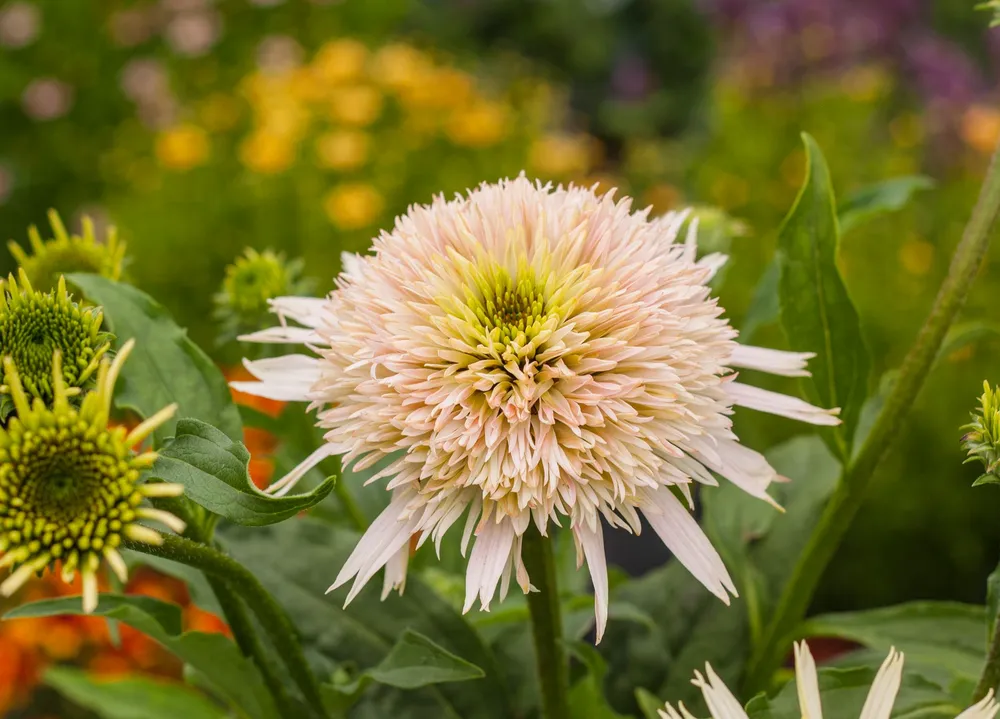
(35, 326)
(982, 436)
(65, 253)
(251, 281)
(878, 704)
(70, 485)
(528, 354)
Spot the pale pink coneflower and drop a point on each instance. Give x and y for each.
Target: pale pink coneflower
(528, 353)
(878, 704)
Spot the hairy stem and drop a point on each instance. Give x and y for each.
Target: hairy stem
(847, 498)
(990, 678)
(276, 623)
(546, 626)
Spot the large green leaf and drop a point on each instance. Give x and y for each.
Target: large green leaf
(765, 307)
(214, 656)
(816, 311)
(879, 198)
(943, 635)
(297, 561)
(760, 547)
(166, 366)
(214, 471)
(131, 697)
(843, 693)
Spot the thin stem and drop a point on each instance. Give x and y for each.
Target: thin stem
(276, 623)
(546, 626)
(240, 622)
(847, 498)
(990, 678)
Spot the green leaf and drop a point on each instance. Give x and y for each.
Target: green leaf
(415, 661)
(760, 547)
(165, 366)
(217, 658)
(945, 636)
(296, 562)
(131, 697)
(843, 693)
(214, 471)
(765, 307)
(586, 696)
(195, 581)
(649, 703)
(879, 198)
(816, 311)
(992, 603)
(966, 333)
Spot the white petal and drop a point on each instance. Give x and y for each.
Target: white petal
(288, 368)
(881, 696)
(284, 485)
(351, 263)
(395, 571)
(714, 262)
(782, 405)
(721, 702)
(283, 335)
(386, 536)
(984, 709)
(807, 683)
(592, 542)
(490, 556)
(273, 390)
(306, 311)
(686, 540)
(779, 362)
(742, 466)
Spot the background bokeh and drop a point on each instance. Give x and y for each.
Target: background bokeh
(200, 128)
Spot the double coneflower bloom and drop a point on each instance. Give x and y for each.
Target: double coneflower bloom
(528, 355)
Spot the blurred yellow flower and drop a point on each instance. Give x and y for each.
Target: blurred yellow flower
(398, 65)
(866, 83)
(358, 105)
(182, 147)
(354, 205)
(340, 60)
(661, 197)
(267, 152)
(342, 149)
(981, 128)
(443, 87)
(219, 112)
(560, 155)
(284, 118)
(481, 125)
(916, 256)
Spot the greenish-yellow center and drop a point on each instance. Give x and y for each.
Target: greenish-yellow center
(66, 490)
(512, 307)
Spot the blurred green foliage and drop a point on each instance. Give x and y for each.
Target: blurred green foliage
(202, 128)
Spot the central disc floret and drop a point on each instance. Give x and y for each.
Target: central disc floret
(70, 489)
(511, 309)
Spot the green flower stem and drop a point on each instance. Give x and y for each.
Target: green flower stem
(241, 623)
(276, 623)
(990, 678)
(847, 498)
(546, 626)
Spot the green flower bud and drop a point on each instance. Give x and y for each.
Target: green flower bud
(67, 253)
(982, 436)
(251, 281)
(70, 485)
(35, 325)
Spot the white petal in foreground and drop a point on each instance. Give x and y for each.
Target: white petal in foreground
(283, 335)
(591, 541)
(782, 405)
(807, 683)
(742, 466)
(881, 696)
(306, 311)
(984, 709)
(787, 364)
(490, 557)
(721, 702)
(686, 540)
